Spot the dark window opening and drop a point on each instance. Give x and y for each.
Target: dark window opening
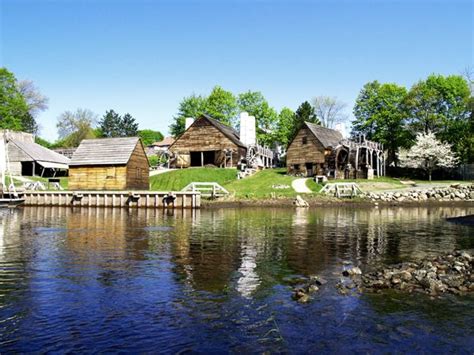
(296, 167)
(305, 140)
(203, 158)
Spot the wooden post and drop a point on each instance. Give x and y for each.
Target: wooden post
(202, 158)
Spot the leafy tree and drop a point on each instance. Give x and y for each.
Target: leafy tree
(440, 104)
(329, 110)
(191, 106)
(428, 153)
(149, 136)
(380, 116)
(285, 126)
(73, 127)
(111, 124)
(43, 142)
(266, 117)
(13, 106)
(129, 127)
(221, 105)
(306, 113)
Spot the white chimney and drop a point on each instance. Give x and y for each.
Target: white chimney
(189, 122)
(341, 128)
(247, 129)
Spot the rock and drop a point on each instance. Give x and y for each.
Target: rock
(352, 271)
(300, 202)
(406, 276)
(313, 288)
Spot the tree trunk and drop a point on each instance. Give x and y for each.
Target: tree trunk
(429, 176)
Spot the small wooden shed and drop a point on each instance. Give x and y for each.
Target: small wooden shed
(109, 164)
(308, 151)
(208, 142)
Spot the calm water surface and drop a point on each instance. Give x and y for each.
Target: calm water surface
(95, 280)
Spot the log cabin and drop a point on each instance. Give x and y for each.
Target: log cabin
(109, 164)
(317, 150)
(208, 142)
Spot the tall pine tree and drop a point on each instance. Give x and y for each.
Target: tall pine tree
(110, 124)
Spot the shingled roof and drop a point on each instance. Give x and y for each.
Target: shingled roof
(39, 153)
(104, 151)
(228, 131)
(327, 136)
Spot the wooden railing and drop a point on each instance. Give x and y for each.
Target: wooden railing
(341, 189)
(207, 189)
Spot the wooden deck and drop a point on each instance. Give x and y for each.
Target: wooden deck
(141, 199)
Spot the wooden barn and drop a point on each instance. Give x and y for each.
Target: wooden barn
(307, 152)
(317, 150)
(207, 142)
(109, 164)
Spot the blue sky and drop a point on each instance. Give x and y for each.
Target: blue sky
(143, 57)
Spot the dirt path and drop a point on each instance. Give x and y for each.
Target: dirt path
(299, 185)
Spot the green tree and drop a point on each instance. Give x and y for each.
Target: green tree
(380, 115)
(110, 124)
(285, 126)
(73, 127)
(440, 104)
(129, 127)
(149, 136)
(43, 142)
(13, 106)
(266, 117)
(191, 106)
(221, 105)
(304, 113)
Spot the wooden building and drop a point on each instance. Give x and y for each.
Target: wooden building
(307, 152)
(28, 158)
(109, 164)
(207, 142)
(317, 150)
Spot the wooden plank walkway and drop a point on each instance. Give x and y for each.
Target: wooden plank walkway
(145, 199)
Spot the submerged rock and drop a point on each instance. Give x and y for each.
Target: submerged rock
(449, 273)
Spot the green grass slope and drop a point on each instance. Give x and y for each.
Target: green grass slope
(260, 185)
(178, 179)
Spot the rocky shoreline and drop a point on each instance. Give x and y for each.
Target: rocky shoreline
(451, 273)
(455, 192)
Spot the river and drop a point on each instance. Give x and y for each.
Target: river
(117, 280)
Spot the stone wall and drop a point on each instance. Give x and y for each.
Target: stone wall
(455, 192)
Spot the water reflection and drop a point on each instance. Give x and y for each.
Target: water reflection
(186, 276)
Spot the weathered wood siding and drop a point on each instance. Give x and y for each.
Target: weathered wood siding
(103, 177)
(203, 136)
(133, 176)
(138, 170)
(300, 154)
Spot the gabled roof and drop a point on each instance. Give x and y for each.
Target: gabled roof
(327, 136)
(39, 153)
(104, 151)
(165, 142)
(228, 131)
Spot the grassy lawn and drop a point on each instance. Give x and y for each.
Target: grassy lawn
(311, 184)
(260, 185)
(176, 180)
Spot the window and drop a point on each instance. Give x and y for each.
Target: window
(296, 167)
(305, 140)
(139, 173)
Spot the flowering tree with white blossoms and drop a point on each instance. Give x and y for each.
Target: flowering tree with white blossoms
(428, 153)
